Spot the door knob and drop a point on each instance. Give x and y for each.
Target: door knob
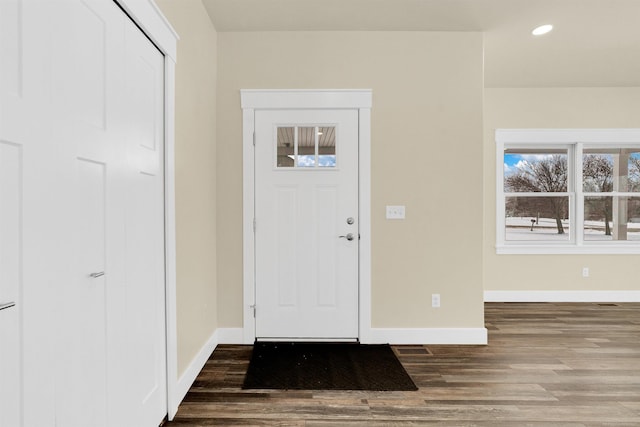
(95, 275)
(348, 236)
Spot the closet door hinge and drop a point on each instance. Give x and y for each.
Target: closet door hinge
(254, 225)
(253, 307)
(254, 139)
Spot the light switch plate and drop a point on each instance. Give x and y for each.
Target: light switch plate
(395, 212)
(435, 300)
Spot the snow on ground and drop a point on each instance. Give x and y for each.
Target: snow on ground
(519, 229)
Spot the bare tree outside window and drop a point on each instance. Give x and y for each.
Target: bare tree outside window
(597, 175)
(568, 191)
(545, 175)
(634, 173)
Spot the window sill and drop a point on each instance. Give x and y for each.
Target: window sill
(538, 249)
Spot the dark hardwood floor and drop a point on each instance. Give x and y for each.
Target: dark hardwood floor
(547, 364)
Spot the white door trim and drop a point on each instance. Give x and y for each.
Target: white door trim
(147, 15)
(252, 100)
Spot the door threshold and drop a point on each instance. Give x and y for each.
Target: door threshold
(280, 339)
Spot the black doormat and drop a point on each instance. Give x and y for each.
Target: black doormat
(325, 366)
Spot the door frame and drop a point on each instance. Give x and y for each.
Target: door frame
(254, 100)
(151, 21)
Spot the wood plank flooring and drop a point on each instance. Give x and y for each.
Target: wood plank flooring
(547, 364)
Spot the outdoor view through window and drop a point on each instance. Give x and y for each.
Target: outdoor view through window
(306, 147)
(544, 204)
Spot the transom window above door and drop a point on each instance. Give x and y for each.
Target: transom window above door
(306, 147)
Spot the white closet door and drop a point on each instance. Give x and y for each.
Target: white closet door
(87, 83)
(81, 217)
(30, 238)
(10, 255)
(144, 227)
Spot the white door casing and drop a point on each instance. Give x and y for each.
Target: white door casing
(306, 274)
(77, 150)
(255, 102)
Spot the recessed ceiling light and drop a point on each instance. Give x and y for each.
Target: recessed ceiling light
(542, 29)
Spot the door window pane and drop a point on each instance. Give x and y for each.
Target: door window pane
(286, 147)
(327, 147)
(306, 147)
(537, 218)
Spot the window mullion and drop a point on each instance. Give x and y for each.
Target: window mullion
(538, 194)
(295, 147)
(316, 129)
(579, 199)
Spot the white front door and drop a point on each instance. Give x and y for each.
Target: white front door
(307, 236)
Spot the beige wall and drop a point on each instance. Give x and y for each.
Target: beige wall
(553, 108)
(195, 159)
(426, 146)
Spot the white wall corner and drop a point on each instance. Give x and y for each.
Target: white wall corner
(399, 336)
(189, 376)
(562, 296)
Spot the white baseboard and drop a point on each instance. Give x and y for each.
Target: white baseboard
(230, 336)
(220, 336)
(189, 376)
(393, 336)
(562, 296)
(464, 336)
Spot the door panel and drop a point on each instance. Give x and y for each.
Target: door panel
(325, 268)
(81, 192)
(11, 47)
(10, 283)
(287, 262)
(10, 386)
(82, 43)
(144, 229)
(82, 397)
(28, 213)
(306, 188)
(87, 70)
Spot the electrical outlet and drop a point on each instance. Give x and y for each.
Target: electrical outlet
(585, 271)
(435, 300)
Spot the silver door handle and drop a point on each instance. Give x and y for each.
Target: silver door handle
(96, 275)
(7, 305)
(348, 236)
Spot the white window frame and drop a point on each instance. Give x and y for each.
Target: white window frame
(575, 140)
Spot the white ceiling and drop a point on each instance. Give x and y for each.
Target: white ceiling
(594, 42)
